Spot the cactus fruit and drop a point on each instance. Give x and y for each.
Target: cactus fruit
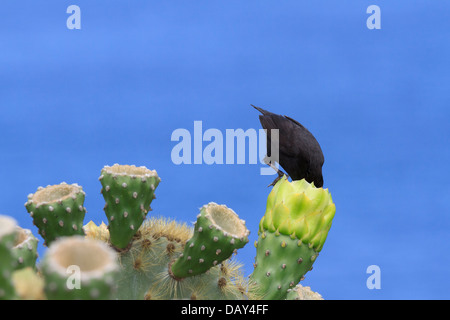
(291, 235)
(302, 293)
(100, 233)
(79, 268)
(7, 260)
(57, 211)
(25, 249)
(128, 192)
(28, 284)
(218, 233)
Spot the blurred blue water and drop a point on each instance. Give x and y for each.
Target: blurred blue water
(72, 101)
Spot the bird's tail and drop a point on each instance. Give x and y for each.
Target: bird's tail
(264, 112)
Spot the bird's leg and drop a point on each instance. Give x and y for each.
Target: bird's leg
(279, 172)
(274, 182)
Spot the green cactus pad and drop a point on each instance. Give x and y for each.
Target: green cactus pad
(57, 211)
(291, 235)
(7, 261)
(218, 233)
(280, 263)
(78, 268)
(128, 192)
(25, 249)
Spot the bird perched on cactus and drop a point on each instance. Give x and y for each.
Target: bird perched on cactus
(299, 153)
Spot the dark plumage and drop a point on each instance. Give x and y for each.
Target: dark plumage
(300, 154)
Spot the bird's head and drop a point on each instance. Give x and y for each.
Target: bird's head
(318, 182)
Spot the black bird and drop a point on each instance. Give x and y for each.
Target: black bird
(300, 154)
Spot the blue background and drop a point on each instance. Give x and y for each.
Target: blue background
(378, 102)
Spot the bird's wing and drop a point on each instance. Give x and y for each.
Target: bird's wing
(296, 140)
(295, 121)
(288, 146)
(311, 141)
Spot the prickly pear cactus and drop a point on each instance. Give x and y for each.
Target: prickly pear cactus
(25, 249)
(128, 193)
(7, 260)
(146, 272)
(291, 235)
(138, 257)
(57, 211)
(218, 233)
(93, 264)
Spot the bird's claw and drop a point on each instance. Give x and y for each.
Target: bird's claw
(274, 182)
(280, 175)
